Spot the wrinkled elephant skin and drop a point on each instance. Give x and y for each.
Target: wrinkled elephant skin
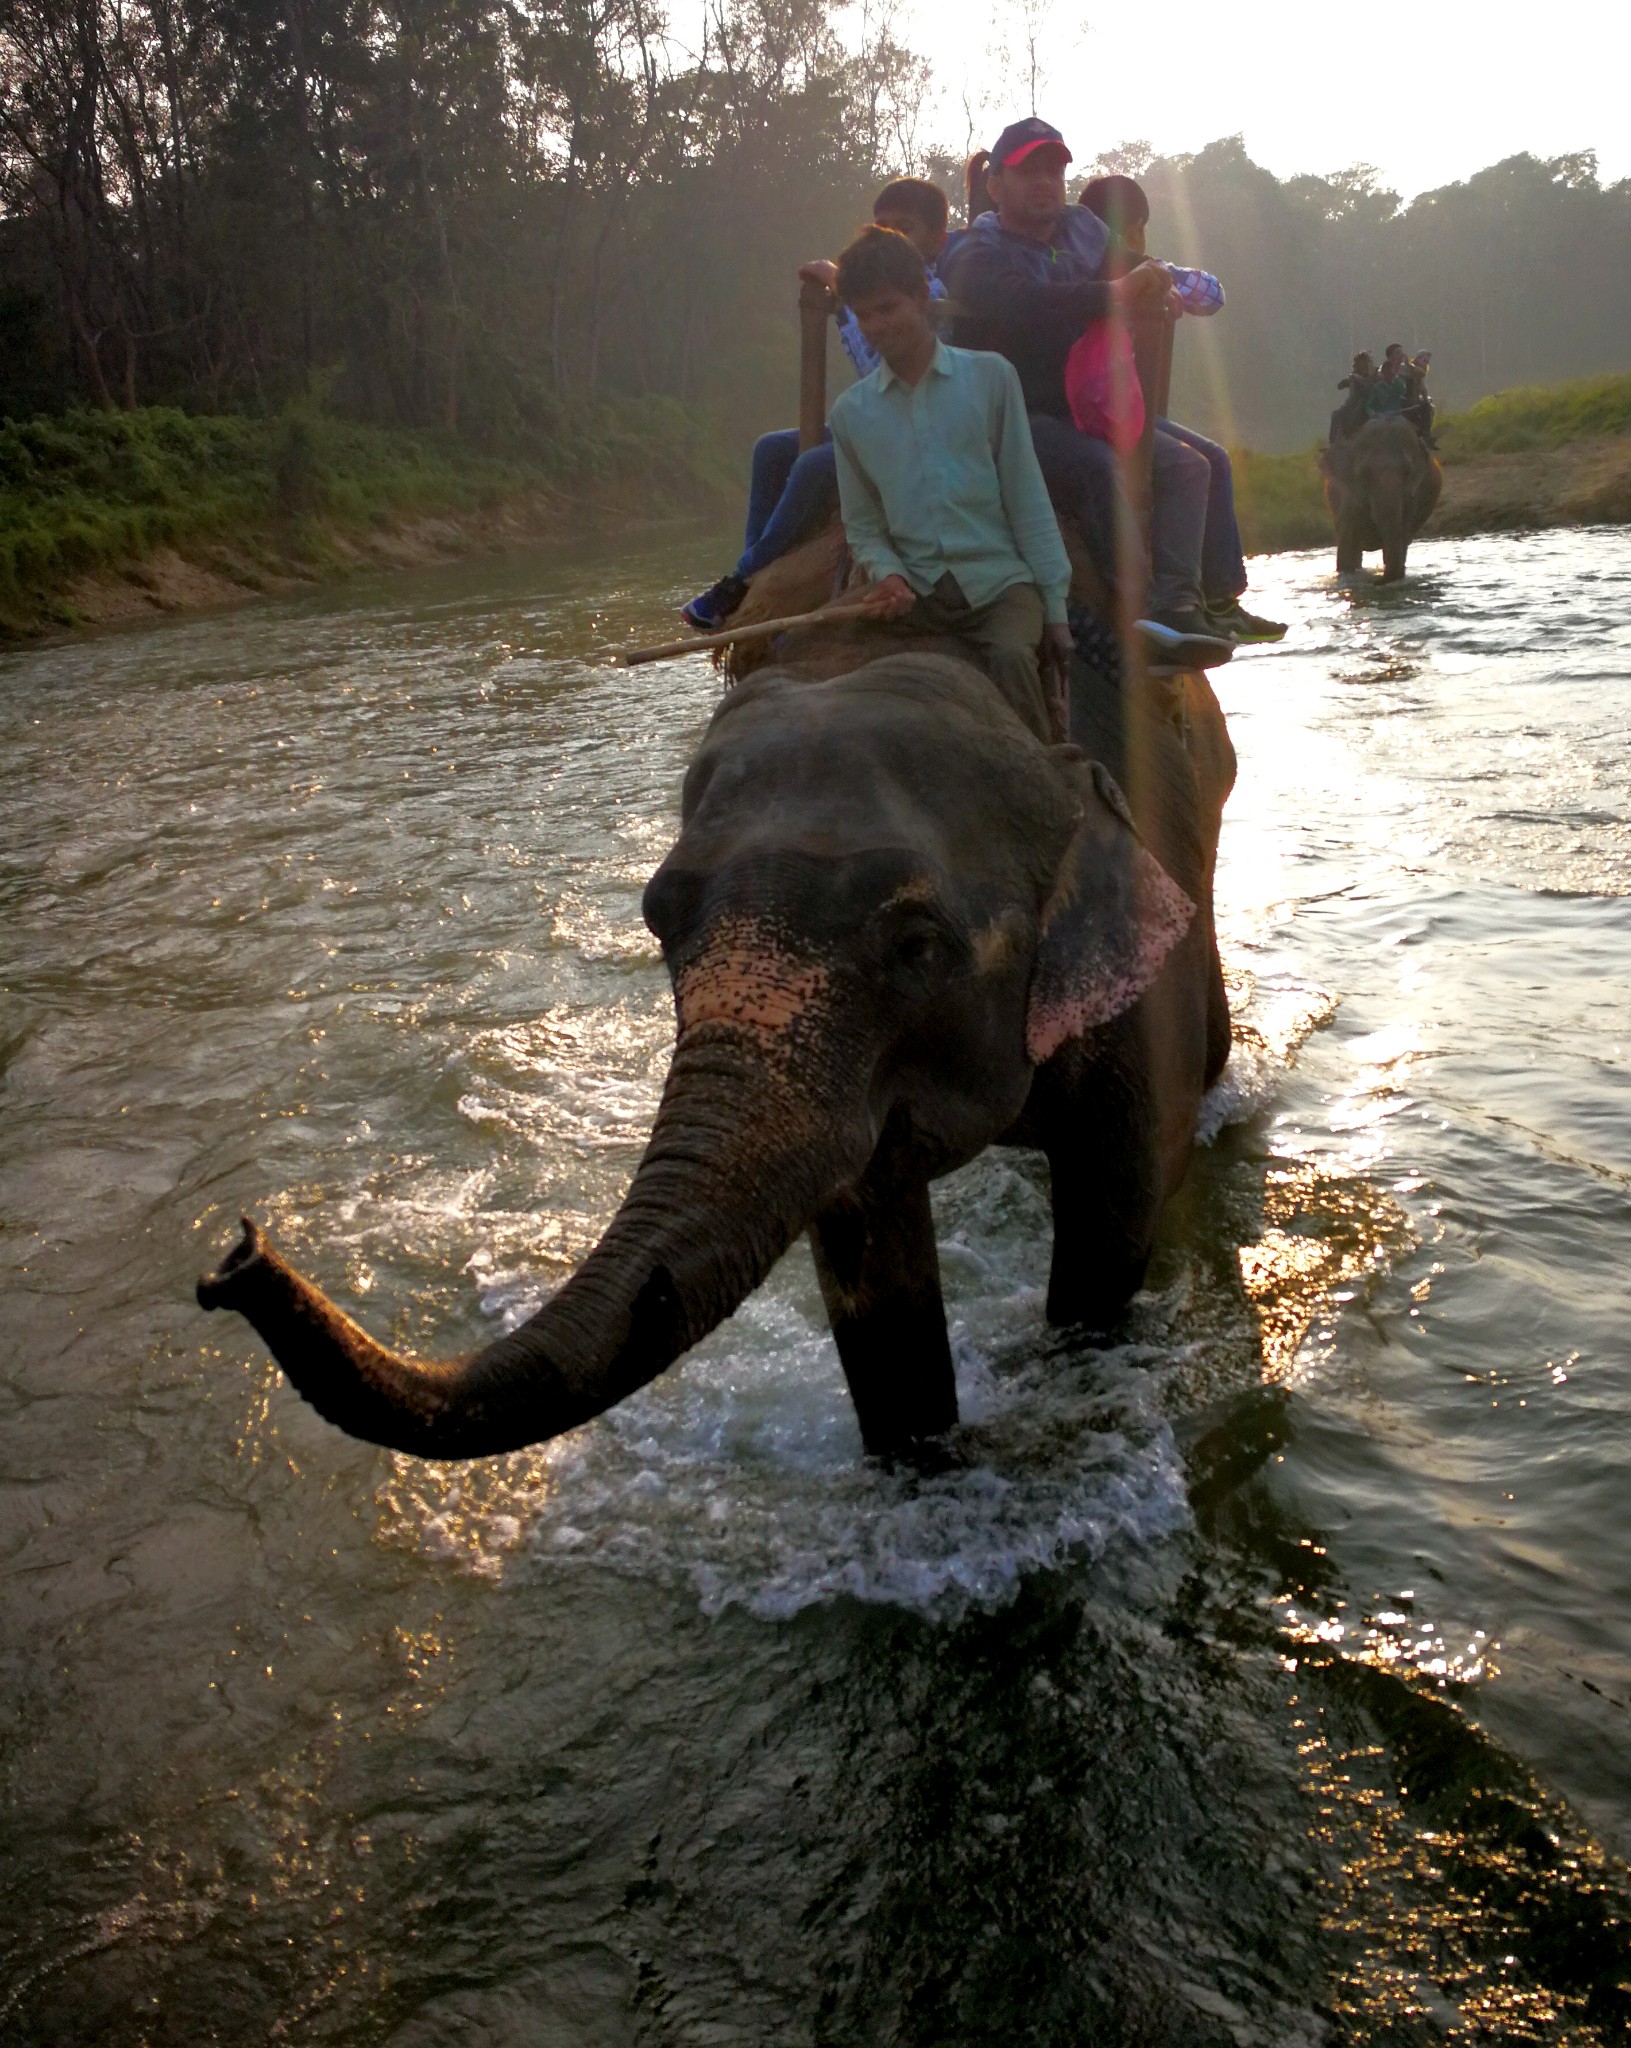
(1381, 486)
(899, 929)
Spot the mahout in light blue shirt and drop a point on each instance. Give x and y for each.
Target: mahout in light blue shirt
(941, 476)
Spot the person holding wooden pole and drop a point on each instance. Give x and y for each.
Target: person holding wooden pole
(942, 499)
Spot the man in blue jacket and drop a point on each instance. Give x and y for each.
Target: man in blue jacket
(1025, 281)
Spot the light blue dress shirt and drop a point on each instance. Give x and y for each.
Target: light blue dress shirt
(941, 475)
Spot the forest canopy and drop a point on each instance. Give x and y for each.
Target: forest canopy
(477, 215)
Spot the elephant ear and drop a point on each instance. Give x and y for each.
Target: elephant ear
(1114, 916)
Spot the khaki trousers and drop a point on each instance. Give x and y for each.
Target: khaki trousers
(1007, 632)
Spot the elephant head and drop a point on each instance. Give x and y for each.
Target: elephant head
(1381, 485)
(887, 903)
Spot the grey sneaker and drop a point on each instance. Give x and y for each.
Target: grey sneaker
(1245, 628)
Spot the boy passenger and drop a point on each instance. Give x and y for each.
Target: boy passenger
(791, 495)
(1120, 203)
(941, 493)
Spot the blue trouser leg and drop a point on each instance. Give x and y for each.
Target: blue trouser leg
(1181, 483)
(1223, 565)
(1082, 480)
(1083, 483)
(788, 496)
(773, 459)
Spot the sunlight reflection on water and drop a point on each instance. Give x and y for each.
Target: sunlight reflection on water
(344, 925)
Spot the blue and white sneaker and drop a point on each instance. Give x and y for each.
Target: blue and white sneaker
(1183, 640)
(709, 612)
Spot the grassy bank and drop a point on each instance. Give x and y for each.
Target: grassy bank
(106, 514)
(90, 498)
(1538, 455)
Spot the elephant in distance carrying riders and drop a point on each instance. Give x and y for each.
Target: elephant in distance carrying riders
(899, 928)
(1381, 485)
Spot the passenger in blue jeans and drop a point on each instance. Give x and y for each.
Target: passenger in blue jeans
(1120, 203)
(791, 495)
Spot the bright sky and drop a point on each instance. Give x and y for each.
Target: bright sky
(1312, 87)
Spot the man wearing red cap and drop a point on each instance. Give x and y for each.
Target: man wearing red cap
(1025, 281)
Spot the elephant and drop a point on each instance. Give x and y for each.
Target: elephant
(1381, 484)
(899, 928)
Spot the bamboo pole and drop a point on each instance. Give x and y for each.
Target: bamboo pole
(815, 310)
(744, 636)
(1151, 329)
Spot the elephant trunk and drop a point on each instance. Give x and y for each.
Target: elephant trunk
(743, 1153)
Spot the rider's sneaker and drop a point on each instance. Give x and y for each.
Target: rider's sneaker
(1242, 626)
(709, 612)
(1179, 640)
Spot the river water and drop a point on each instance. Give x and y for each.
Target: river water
(1264, 1677)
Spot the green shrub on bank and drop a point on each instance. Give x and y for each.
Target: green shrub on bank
(1538, 416)
(1280, 501)
(88, 490)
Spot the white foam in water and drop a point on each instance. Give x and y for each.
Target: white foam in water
(741, 1470)
(1246, 1085)
(1273, 1015)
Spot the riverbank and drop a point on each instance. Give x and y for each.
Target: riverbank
(110, 517)
(1536, 456)
(107, 517)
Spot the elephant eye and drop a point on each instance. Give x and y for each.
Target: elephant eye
(920, 952)
(670, 904)
(916, 948)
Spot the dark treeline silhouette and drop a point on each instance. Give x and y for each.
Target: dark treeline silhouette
(469, 214)
(454, 213)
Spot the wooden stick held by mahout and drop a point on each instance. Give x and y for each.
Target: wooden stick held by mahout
(744, 636)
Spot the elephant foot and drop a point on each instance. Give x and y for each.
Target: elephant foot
(926, 1458)
(1097, 1267)
(1096, 1301)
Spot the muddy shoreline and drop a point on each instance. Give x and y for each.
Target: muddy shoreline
(206, 575)
(1583, 483)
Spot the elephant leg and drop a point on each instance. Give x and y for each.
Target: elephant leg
(880, 1278)
(1103, 1228)
(1219, 1024)
(1350, 553)
(1107, 1198)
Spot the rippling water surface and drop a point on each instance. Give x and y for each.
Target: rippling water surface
(1264, 1677)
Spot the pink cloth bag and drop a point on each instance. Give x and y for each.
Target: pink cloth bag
(1102, 387)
